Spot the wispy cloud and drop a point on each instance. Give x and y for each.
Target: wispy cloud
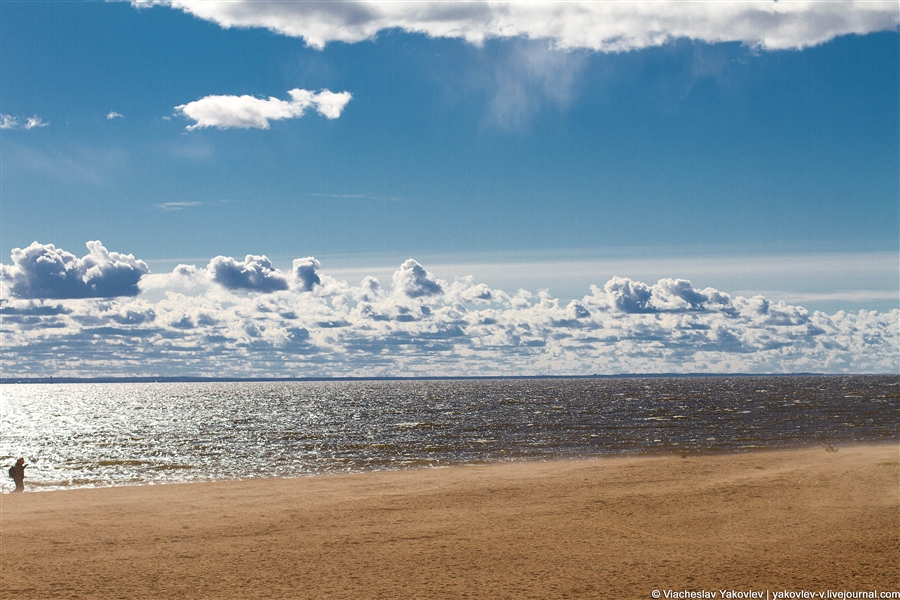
(248, 317)
(171, 206)
(525, 78)
(600, 26)
(360, 197)
(11, 122)
(856, 296)
(225, 112)
(94, 165)
(114, 115)
(176, 205)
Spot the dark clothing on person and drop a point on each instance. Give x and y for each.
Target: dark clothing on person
(18, 474)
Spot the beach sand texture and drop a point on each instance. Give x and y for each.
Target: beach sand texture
(603, 528)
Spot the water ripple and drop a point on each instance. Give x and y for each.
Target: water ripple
(88, 435)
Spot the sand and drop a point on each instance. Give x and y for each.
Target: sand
(790, 520)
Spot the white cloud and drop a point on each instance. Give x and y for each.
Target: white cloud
(667, 295)
(44, 271)
(812, 280)
(601, 26)
(253, 273)
(305, 273)
(246, 112)
(11, 122)
(114, 115)
(183, 278)
(413, 281)
(32, 122)
(247, 317)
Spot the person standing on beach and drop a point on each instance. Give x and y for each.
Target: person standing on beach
(17, 472)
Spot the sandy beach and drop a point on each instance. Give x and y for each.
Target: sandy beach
(803, 519)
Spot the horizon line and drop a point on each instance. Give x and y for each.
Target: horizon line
(202, 379)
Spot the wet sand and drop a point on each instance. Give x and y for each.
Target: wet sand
(803, 519)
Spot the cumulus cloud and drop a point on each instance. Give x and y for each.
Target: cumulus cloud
(413, 281)
(305, 273)
(667, 295)
(253, 273)
(11, 122)
(369, 290)
(629, 296)
(114, 115)
(247, 112)
(466, 291)
(183, 278)
(248, 318)
(600, 26)
(44, 271)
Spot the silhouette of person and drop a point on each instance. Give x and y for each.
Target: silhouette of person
(18, 474)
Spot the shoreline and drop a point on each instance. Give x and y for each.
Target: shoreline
(615, 526)
(837, 445)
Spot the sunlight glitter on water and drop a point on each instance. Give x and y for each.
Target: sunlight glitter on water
(87, 435)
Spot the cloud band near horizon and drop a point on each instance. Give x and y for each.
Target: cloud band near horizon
(106, 314)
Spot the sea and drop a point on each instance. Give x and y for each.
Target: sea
(82, 435)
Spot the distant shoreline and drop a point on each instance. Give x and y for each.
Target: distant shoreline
(178, 379)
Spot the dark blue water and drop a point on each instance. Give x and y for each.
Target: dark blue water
(85, 435)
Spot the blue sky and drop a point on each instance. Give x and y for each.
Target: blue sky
(750, 148)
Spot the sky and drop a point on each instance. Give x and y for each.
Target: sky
(255, 188)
